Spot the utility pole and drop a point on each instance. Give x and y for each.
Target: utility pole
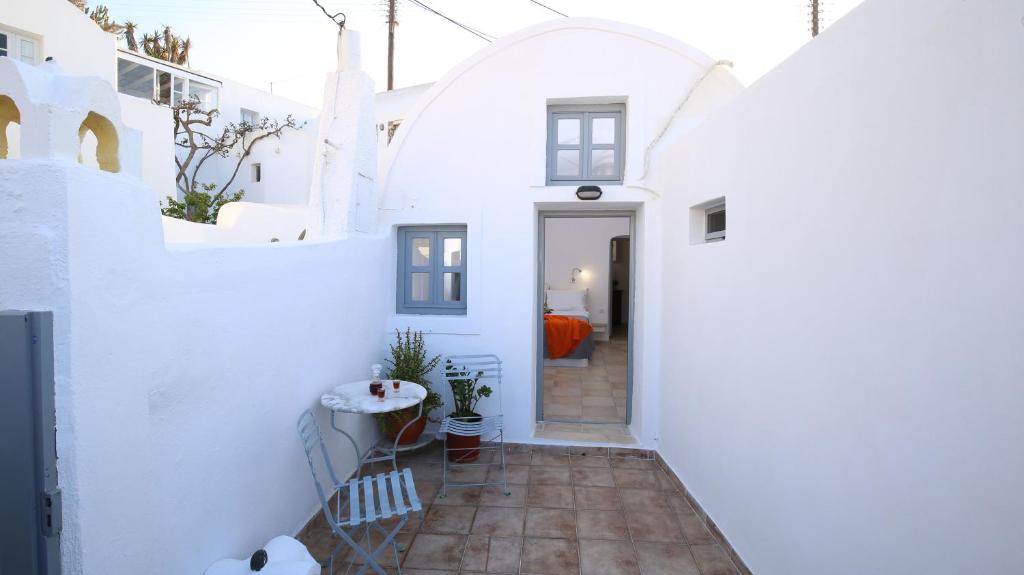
(391, 44)
(815, 16)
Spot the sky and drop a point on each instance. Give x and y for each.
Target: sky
(286, 46)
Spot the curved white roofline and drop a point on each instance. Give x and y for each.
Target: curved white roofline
(505, 42)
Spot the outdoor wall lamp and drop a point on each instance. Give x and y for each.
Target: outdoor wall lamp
(588, 192)
(572, 278)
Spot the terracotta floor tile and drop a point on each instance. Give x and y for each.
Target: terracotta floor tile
(635, 478)
(550, 556)
(494, 496)
(545, 475)
(631, 463)
(607, 558)
(553, 523)
(519, 474)
(597, 497)
(654, 526)
(499, 521)
(593, 476)
(694, 530)
(475, 557)
(432, 551)
(448, 519)
(560, 496)
(643, 500)
(459, 496)
(549, 460)
(601, 524)
(712, 560)
(665, 559)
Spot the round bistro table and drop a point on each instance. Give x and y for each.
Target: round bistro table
(355, 398)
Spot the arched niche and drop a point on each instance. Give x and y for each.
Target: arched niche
(106, 142)
(10, 129)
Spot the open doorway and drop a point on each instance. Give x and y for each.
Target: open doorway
(585, 292)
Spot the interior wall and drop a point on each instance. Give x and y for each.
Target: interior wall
(842, 374)
(583, 243)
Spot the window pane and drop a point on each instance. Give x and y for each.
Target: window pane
(3, 44)
(28, 51)
(179, 91)
(420, 290)
(206, 94)
(716, 221)
(602, 131)
(453, 252)
(568, 131)
(602, 163)
(420, 255)
(134, 79)
(452, 286)
(567, 162)
(163, 83)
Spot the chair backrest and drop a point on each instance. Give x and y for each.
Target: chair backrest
(484, 367)
(316, 456)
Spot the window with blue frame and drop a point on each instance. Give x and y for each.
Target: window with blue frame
(432, 270)
(585, 144)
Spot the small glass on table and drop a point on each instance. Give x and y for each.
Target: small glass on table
(381, 392)
(396, 383)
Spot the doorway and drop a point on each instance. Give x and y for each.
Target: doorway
(585, 294)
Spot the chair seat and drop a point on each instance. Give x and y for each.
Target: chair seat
(395, 494)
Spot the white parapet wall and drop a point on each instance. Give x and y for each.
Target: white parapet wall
(181, 370)
(842, 382)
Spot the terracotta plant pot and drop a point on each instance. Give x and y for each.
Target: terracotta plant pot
(412, 434)
(464, 442)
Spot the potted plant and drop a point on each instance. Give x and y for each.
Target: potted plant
(466, 395)
(409, 362)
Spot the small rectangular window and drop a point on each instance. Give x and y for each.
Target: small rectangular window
(134, 79)
(257, 173)
(432, 270)
(205, 93)
(163, 87)
(178, 93)
(585, 144)
(714, 223)
(3, 44)
(250, 117)
(28, 51)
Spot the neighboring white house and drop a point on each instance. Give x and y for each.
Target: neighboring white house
(391, 109)
(277, 171)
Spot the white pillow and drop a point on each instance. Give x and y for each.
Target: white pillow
(562, 300)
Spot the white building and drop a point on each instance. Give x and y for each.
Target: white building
(277, 171)
(834, 375)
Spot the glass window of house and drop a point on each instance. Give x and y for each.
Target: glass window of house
(163, 87)
(432, 270)
(28, 51)
(3, 44)
(134, 79)
(714, 223)
(178, 93)
(250, 117)
(205, 93)
(585, 144)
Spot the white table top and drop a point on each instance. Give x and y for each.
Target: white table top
(355, 397)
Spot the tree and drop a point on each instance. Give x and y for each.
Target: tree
(100, 15)
(166, 45)
(198, 148)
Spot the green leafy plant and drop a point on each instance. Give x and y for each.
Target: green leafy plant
(201, 207)
(464, 389)
(409, 361)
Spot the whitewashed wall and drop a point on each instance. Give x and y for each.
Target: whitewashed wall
(585, 244)
(181, 371)
(392, 106)
(473, 152)
(843, 392)
(68, 35)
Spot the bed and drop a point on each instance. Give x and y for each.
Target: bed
(569, 304)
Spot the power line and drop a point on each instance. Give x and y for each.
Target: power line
(482, 35)
(542, 5)
(334, 18)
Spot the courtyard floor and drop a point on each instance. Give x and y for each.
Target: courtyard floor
(571, 510)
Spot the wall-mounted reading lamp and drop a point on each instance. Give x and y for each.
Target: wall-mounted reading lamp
(572, 278)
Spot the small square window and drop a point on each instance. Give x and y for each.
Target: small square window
(250, 117)
(257, 173)
(714, 223)
(585, 144)
(432, 270)
(3, 44)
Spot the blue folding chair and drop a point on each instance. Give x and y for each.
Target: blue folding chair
(388, 500)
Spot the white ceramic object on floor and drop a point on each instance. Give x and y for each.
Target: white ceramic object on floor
(285, 556)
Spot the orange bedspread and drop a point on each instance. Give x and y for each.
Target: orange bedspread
(564, 333)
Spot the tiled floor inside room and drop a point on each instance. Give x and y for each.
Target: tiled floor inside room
(596, 393)
(584, 514)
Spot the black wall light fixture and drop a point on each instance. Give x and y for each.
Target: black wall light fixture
(588, 192)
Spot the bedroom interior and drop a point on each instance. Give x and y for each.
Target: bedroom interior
(586, 267)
